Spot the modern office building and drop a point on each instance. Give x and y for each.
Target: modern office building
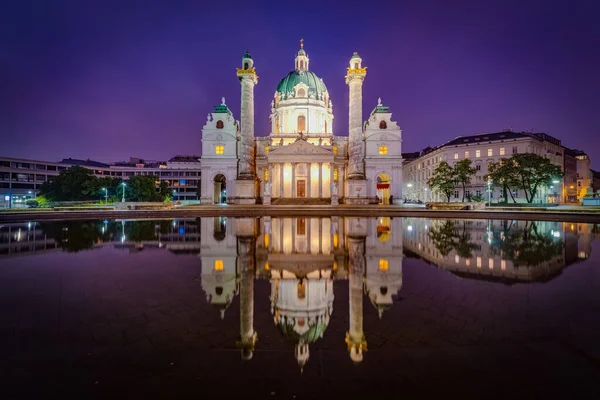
(20, 179)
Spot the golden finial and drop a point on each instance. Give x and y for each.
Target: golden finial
(301, 43)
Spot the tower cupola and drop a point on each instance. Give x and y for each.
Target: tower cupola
(301, 59)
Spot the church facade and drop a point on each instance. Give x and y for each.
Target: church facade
(301, 160)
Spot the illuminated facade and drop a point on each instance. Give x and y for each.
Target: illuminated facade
(301, 160)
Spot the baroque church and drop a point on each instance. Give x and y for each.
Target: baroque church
(302, 160)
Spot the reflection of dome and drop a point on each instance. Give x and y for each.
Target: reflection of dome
(316, 86)
(315, 330)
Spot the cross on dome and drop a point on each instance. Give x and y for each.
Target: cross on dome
(301, 43)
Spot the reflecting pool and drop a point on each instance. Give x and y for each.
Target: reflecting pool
(294, 307)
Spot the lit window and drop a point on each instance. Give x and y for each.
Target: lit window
(301, 123)
(301, 290)
(218, 265)
(266, 241)
(502, 151)
(468, 262)
(491, 263)
(335, 149)
(467, 154)
(490, 153)
(335, 174)
(478, 262)
(335, 240)
(456, 156)
(267, 266)
(477, 153)
(457, 259)
(266, 174)
(503, 265)
(383, 150)
(219, 149)
(383, 265)
(266, 149)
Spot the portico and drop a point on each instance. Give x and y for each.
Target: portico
(309, 176)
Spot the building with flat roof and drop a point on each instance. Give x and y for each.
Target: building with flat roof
(20, 179)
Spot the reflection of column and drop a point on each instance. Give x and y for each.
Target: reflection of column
(355, 337)
(245, 268)
(320, 235)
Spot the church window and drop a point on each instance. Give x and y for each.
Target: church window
(335, 150)
(301, 93)
(335, 174)
(266, 241)
(266, 149)
(383, 264)
(336, 240)
(266, 174)
(220, 149)
(301, 290)
(383, 125)
(218, 265)
(245, 65)
(220, 124)
(301, 123)
(355, 65)
(277, 126)
(383, 149)
(301, 64)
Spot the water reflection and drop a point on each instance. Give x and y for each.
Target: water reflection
(302, 257)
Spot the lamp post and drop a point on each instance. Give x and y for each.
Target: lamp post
(489, 182)
(105, 196)
(174, 194)
(123, 198)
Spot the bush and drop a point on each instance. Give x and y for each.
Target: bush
(32, 203)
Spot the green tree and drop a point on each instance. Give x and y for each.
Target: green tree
(72, 184)
(503, 174)
(142, 188)
(525, 171)
(442, 179)
(163, 190)
(463, 173)
(448, 236)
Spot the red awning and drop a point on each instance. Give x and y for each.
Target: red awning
(383, 186)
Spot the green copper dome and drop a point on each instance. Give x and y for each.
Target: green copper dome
(316, 86)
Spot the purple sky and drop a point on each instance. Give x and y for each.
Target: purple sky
(108, 79)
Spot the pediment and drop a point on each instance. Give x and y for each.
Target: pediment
(220, 135)
(300, 147)
(383, 135)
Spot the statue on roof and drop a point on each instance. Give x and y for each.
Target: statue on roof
(379, 101)
(223, 101)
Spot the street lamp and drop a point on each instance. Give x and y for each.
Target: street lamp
(489, 182)
(174, 194)
(123, 198)
(105, 196)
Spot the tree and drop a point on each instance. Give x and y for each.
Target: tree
(442, 179)
(72, 184)
(163, 190)
(526, 171)
(463, 173)
(503, 173)
(142, 188)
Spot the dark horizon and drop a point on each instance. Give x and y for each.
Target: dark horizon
(108, 81)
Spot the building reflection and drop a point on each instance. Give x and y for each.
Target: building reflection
(499, 250)
(303, 257)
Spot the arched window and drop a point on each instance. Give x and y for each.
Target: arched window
(301, 64)
(220, 124)
(301, 93)
(301, 290)
(277, 125)
(355, 65)
(325, 126)
(301, 123)
(245, 65)
(383, 125)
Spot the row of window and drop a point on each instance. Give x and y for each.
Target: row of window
(490, 152)
(21, 165)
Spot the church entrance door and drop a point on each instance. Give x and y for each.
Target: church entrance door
(301, 188)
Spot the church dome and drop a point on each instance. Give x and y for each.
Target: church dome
(316, 86)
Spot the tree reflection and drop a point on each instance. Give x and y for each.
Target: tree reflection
(525, 246)
(452, 236)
